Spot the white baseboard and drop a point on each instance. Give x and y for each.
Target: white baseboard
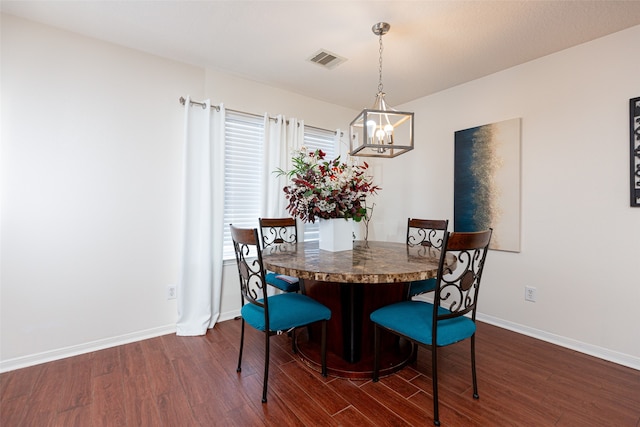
(49, 356)
(229, 315)
(61, 353)
(592, 350)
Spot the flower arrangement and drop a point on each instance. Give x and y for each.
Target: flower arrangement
(326, 189)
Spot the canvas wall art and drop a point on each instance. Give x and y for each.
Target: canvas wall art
(487, 182)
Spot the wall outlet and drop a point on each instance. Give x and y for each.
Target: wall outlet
(171, 292)
(530, 294)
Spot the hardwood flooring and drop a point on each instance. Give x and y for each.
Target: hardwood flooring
(192, 381)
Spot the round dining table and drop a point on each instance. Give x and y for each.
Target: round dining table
(353, 284)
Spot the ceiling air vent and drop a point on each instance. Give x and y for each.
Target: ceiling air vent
(326, 59)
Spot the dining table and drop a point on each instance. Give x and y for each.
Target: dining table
(353, 284)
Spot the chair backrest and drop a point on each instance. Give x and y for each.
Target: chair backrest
(426, 232)
(459, 285)
(278, 230)
(250, 269)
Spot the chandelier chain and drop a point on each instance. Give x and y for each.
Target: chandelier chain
(380, 66)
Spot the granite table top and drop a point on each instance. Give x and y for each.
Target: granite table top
(368, 262)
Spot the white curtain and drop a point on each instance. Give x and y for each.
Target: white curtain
(281, 137)
(200, 287)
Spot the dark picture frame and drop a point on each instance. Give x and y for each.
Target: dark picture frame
(634, 145)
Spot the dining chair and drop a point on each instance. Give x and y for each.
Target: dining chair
(452, 315)
(428, 233)
(279, 230)
(274, 314)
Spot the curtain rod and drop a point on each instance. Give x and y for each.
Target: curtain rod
(217, 108)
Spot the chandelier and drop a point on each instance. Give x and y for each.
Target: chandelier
(381, 131)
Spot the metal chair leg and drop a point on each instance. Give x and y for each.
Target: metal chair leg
(266, 367)
(239, 368)
(292, 334)
(376, 352)
(434, 375)
(473, 367)
(323, 348)
(414, 352)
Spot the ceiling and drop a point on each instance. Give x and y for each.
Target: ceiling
(432, 45)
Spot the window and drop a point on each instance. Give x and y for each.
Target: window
(243, 152)
(244, 134)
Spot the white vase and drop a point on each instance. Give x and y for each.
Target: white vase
(336, 234)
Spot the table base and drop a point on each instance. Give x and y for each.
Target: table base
(392, 358)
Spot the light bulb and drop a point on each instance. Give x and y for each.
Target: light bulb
(388, 130)
(371, 126)
(380, 135)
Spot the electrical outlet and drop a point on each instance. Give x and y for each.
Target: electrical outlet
(530, 294)
(171, 292)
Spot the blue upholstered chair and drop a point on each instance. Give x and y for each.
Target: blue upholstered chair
(427, 233)
(271, 314)
(451, 318)
(279, 230)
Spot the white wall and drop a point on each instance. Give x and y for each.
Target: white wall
(580, 238)
(91, 164)
(257, 98)
(91, 169)
(91, 187)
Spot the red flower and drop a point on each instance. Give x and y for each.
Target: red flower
(327, 189)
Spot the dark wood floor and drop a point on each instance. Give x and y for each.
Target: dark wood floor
(180, 381)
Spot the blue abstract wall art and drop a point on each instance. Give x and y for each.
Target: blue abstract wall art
(487, 182)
